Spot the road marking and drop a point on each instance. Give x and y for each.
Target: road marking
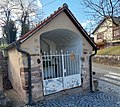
(116, 74)
(109, 80)
(100, 69)
(112, 76)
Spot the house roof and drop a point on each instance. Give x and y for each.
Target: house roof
(116, 20)
(48, 19)
(99, 25)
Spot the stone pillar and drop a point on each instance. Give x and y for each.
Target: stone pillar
(36, 77)
(85, 70)
(37, 90)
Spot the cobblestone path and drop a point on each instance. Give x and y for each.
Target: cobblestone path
(97, 99)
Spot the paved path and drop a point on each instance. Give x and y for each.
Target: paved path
(97, 99)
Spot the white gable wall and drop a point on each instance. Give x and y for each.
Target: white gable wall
(32, 45)
(106, 29)
(61, 21)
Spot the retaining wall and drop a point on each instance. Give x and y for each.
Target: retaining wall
(107, 60)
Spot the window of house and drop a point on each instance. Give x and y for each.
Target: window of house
(100, 36)
(116, 34)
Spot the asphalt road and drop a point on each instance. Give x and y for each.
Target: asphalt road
(101, 70)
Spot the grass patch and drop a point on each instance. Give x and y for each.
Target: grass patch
(115, 50)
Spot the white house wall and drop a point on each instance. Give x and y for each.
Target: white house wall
(106, 29)
(59, 22)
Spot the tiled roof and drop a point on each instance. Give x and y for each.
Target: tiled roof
(42, 23)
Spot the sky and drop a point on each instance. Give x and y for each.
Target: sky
(14, 6)
(49, 6)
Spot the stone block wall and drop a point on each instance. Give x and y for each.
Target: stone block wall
(107, 60)
(4, 70)
(36, 73)
(1, 82)
(36, 78)
(37, 84)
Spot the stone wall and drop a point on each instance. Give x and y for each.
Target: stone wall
(107, 60)
(37, 83)
(36, 77)
(4, 70)
(1, 82)
(85, 72)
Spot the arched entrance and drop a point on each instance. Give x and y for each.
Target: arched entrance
(61, 51)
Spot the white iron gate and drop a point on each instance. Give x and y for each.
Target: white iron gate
(61, 71)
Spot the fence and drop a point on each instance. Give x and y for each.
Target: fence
(107, 60)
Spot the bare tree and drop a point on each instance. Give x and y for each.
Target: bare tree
(25, 14)
(100, 9)
(6, 23)
(29, 14)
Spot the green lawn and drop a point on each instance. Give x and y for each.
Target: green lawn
(115, 50)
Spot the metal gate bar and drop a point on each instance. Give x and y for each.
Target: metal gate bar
(60, 71)
(53, 65)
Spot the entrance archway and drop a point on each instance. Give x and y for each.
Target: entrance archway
(61, 51)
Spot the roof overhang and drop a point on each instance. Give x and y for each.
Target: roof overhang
(48, 19)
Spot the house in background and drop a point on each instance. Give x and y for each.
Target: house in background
(54, 56)
(107, 33)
